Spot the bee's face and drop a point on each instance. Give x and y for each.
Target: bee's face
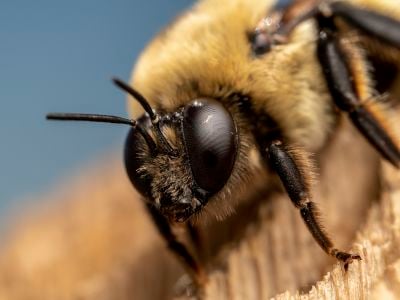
(205, 139)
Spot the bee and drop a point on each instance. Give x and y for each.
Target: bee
(235, 95)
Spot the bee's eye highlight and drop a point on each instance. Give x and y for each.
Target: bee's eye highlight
(210, 138)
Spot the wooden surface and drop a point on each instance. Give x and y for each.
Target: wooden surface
(278, 254)
(90, 238)
(93, 240)
(304, 271)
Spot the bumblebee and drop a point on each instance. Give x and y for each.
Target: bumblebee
(235, 95)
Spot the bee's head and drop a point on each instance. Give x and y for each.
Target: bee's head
(186, 158)
(176, 160)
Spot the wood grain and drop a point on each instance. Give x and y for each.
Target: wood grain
(91, 239)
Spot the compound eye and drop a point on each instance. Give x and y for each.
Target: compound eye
(210, 138)
(135, 155)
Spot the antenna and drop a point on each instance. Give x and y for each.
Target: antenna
(135, 94)
(153, 116)
(104, 119)
(90, 118)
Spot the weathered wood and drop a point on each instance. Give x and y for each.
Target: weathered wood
(95, 241)
(252, 276)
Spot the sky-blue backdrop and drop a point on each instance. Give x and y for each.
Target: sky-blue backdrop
(60, 56)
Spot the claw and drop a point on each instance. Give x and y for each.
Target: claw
(346, 258)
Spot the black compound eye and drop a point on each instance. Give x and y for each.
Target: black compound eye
(210, 138)
(135, 156)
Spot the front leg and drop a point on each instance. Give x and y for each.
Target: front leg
(294, 172)
(196, 272)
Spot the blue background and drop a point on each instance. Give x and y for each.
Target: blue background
(60, 56)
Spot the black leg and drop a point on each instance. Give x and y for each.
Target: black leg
(196, 238)
(179, 249)
(371, 23)
(347, 80)
(292, 168)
